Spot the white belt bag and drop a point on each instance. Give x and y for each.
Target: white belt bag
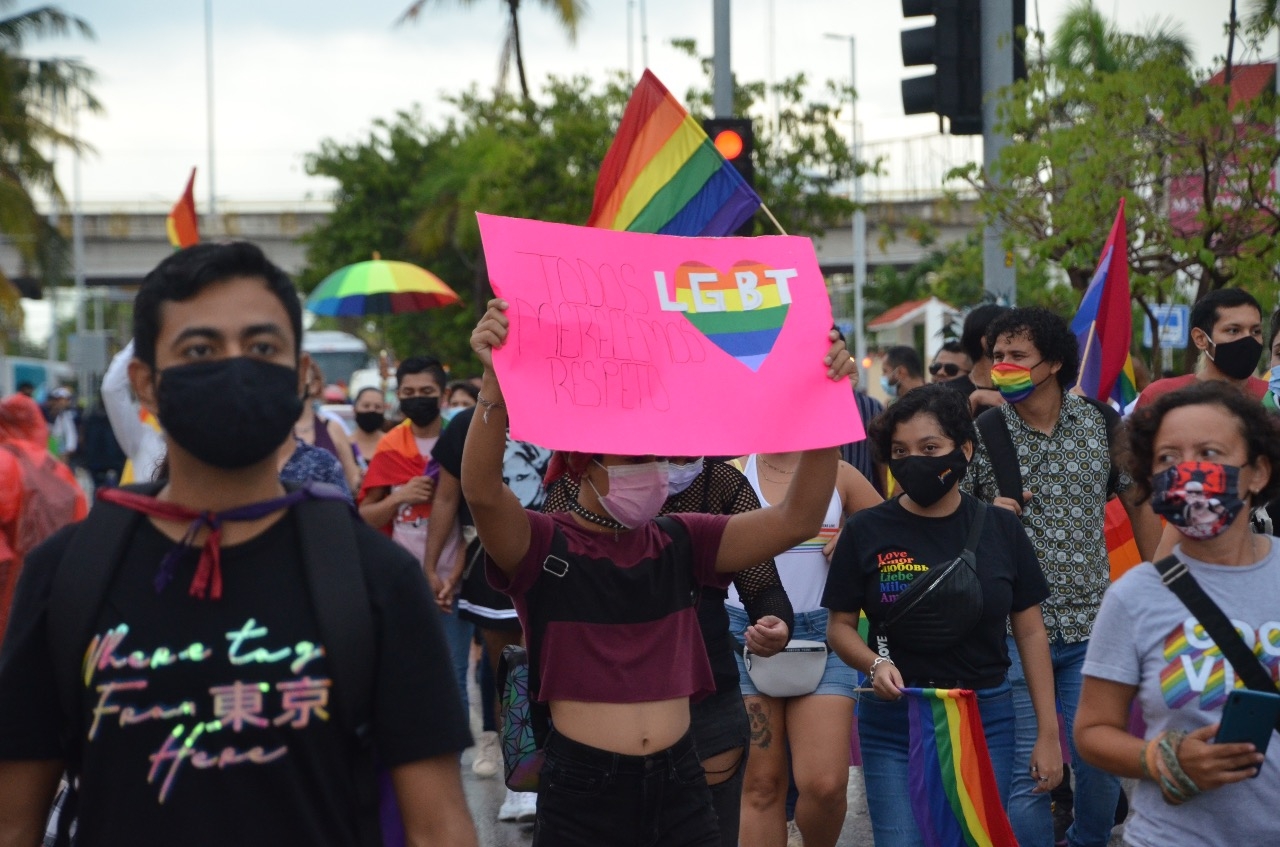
(794, 671)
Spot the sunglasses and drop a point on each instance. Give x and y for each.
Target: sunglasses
(948, 368)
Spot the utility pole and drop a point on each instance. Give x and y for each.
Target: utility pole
(208, 81)
(859, 255)
(998, 44)
(77, 254)
(722, 94)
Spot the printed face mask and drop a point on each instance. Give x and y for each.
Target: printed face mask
(1237, 359)
(1201, 499)
(927, 479)
(636, 492)
(370, 421)
(229, 413)
(680, 477)
(1013, 381)
(421, 410)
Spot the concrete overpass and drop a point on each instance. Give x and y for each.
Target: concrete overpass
(122, 244)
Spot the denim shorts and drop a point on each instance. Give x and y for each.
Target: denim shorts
(838, 678)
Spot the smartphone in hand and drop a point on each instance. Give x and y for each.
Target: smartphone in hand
(1249, 716)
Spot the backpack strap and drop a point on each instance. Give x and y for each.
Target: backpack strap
(1175, 574)
(340, 599)
(557, 567)
(1001, 453)
(80, 584)
(1113, 421)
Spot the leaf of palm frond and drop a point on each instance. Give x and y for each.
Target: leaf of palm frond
(38, 23)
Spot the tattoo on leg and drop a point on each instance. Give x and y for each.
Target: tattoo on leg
(761, 732)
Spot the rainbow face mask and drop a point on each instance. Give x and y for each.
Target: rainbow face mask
(1012, 381)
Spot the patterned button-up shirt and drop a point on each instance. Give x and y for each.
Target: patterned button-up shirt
(1067, 472)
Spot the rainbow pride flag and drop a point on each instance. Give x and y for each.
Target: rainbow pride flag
(1104, 324)
(181, 224)
(953, 789)
(662, 174)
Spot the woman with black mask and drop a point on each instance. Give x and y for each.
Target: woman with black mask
(370, 409)
(927, 439)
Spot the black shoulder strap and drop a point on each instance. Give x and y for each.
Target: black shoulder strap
(975, 531)
(1112, 419)
(80, 584)
(1177, 576)
(678, 534)
(1001, 453)
(556, 567)
(344, 615)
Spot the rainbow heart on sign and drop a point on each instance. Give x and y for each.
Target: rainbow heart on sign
(741, 312)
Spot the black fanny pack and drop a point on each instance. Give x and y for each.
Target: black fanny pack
(944, 605)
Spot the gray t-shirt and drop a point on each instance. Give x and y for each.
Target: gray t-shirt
(1144, 636)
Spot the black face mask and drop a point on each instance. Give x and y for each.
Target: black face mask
(1238, 359)
(927, 479)
(370, 421)
(421, 410)
(231, 413)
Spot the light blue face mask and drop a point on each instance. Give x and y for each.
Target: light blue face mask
(1273, 380)
(890, 388)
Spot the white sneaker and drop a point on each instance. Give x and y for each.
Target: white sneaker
(794, 839)
(511, 806)
(488, 757)
(528, 811)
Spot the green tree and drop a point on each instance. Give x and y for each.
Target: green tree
(568, 12)
(1087, 41)
(1193, 166)
(35, 97)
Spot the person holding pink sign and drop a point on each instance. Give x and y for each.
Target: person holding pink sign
(606, 594)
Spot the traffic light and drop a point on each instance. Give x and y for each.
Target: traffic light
(953, 46)
(735, 139)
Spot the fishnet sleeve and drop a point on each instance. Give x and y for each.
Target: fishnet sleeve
(759, 587)
(559, 494)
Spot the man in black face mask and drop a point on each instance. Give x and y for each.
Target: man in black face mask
(211, 709)
(1226, 326)
(399, 488)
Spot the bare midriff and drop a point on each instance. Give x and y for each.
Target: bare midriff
(632, 729)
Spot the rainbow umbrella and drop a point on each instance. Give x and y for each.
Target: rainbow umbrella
(379, 287)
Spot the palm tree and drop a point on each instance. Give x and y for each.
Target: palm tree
(568, 12)
(36, 96)
(1085, 40)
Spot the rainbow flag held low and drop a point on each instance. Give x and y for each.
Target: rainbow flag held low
(953, 790)
(662, 173)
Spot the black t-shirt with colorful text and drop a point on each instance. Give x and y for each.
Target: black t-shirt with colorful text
(884, 548)
(212, 722)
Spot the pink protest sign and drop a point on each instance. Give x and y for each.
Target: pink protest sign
(624, 342)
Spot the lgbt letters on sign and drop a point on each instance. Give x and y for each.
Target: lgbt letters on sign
(624, 342)
(1104, 325)
(953, 790)
(662, 174)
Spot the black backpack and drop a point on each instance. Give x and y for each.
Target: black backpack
(1004, 456)
(338, 595)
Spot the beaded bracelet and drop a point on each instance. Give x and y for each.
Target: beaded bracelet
(1175, 786)
(488, 405)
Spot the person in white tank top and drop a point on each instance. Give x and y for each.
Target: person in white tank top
(815, 727)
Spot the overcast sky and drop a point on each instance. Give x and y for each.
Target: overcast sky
(289, 73)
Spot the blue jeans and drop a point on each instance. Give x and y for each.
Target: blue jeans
(1096, 792)
(458, 634)
(882, 730)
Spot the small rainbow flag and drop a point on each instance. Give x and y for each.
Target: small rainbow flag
(662, 174)
(182, 224)
(1104, 324)
(953, 790)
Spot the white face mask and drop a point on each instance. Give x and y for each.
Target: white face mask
(636, 492)
(680, 477)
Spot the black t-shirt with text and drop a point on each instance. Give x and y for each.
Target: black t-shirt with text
(212, 722)
(882, 549)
